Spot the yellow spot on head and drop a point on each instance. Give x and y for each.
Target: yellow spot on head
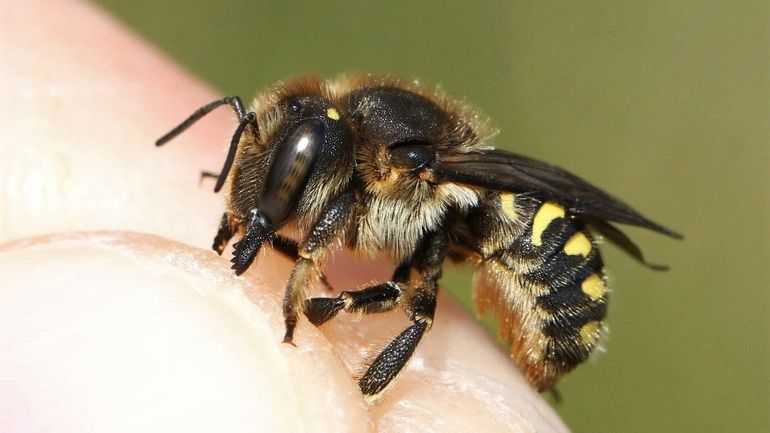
(589, 333)
(333, 114)
(594, 287)
(578, 244)
(508, 204)
(548, 212)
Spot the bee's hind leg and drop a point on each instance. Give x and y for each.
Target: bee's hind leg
(420, 305)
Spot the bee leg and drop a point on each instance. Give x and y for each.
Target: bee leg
(421, 307)
(207, 175)
(336, 217)
(284, 245)
(325, 282)
(225, 232)
(287, 247)
(374, 299)
(258, 230)
(290, 248)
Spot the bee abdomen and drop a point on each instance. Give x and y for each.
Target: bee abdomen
(574, 303)
(549, 294)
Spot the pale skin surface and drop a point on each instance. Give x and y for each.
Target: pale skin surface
(151, 331)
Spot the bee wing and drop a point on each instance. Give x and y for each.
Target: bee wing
(505, 171)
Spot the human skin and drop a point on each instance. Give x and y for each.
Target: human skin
(115, 315)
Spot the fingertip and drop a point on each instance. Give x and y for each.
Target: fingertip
(99, 328)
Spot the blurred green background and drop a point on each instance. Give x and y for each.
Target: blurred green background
(665, 104)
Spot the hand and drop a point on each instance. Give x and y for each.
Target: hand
(102, 329)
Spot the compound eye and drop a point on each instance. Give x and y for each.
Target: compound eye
(290, 170)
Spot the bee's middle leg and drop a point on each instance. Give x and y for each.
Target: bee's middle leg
(378, 298)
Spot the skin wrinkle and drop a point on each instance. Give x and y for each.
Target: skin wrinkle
(454, 381)
(462, 379)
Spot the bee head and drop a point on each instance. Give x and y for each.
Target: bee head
(298, 159)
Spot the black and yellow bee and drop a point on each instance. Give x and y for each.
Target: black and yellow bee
(390, 168)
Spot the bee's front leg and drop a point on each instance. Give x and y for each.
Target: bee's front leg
(226, 231)
(336, 217)
(258, 230)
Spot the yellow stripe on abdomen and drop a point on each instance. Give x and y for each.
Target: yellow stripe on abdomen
(594, 287)
(548, 212)
(578, 244)
(590, 332)
(508, 205)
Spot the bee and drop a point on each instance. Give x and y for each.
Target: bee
(386, 167)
